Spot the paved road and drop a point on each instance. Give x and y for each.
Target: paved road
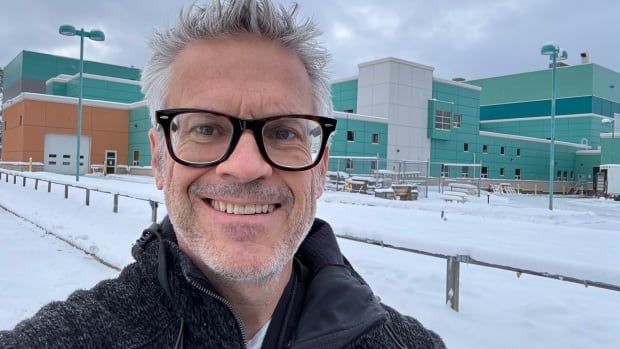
(36, 268)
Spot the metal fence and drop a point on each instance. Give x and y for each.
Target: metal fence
(452, 262)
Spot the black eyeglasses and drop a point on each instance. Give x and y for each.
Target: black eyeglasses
(202, 138)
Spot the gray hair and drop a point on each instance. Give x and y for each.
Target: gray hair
(227, 18)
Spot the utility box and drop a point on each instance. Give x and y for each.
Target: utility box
(612, 182)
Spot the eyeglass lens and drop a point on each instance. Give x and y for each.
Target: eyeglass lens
(200, 137)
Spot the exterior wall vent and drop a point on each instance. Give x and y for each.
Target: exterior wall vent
(585, 57)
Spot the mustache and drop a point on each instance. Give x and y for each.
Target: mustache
(257, 190)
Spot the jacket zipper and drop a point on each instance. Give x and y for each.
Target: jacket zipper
(227, 304)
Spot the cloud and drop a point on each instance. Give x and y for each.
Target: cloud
(470, 38)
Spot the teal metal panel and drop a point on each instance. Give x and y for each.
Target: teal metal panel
(139, 125)
(344, 95)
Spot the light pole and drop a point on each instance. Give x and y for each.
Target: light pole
(556, 54)
(95, 35)
(611, 121)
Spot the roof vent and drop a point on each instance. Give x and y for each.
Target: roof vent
(585, 57)
(458, 79)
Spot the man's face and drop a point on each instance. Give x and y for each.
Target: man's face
(251, 78)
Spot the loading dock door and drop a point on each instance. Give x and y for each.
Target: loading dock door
(59, 153)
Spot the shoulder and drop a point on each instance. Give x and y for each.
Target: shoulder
(110, 311)
(398, 331)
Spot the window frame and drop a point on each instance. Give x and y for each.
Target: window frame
(443, 120)
(352, 136)
(372, 140)
(455, 123)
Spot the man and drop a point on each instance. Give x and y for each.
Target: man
(241, 110)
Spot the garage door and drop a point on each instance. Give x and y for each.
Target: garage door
(60, 153)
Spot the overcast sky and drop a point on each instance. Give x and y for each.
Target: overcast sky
(460, 38)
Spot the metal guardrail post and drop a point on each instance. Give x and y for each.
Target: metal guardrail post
(23, 181)
(36, 184)
(66, 191)
(115, 210)
(154, 206)
(452, 283)
(49, 186)
(14, 179)
(87, 197)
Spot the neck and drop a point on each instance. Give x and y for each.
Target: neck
(254, 302)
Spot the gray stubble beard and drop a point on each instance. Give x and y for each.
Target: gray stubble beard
(182, 217)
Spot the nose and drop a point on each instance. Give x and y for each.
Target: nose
(246, 163)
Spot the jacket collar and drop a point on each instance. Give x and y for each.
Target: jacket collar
(338, 304)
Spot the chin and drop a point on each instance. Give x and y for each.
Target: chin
(243, 261)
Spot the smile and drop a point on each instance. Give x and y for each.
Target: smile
(228, 207)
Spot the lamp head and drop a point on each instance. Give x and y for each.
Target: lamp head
(67, 30)
(96, 35)
(563, 55)
(549, 49)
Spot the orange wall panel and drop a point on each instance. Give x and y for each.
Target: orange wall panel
(108, 129)
(59, 115)
(34, 112)
(34, 139)
(13, 140)
(110, 120)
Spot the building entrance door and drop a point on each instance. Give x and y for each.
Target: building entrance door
(110, 161)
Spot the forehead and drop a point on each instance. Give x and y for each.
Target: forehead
(242, 75)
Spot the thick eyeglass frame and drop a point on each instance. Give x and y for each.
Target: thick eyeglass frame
(165, 116)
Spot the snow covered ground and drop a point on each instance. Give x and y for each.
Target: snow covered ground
(580, 238)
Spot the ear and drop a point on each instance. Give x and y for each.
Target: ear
(155, 165)
(321, 170)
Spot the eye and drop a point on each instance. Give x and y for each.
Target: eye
(204, 130)
(283, 134)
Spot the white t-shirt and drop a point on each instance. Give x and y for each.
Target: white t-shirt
(257, 341)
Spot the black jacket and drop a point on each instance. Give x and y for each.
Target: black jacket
(163, 301)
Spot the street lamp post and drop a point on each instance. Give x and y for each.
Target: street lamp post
(611, 121)
(556, 54)
(95, 35)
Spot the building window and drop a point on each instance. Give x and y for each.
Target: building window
(375, 138)
(572, 175)
(456, 122)
(517, 173)
(485, 148)
(66, 163)
(52, 155)
(465, 146)
(565, 176)
(465, 171)
(558, 175)
(518, 151)
(136, 158)
(21, 120)
(349, 164)
(501, 171)
(502, 150)
(442, 119)
(444, 171)
(350, 136)
(484, 172)
(373, 165)
(65, 156)
(51, 162)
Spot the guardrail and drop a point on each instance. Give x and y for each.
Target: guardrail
(154, 204)
(452, 262)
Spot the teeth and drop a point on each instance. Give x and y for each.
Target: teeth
(242, 209)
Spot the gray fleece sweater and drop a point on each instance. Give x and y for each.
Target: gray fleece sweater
(163, 301)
